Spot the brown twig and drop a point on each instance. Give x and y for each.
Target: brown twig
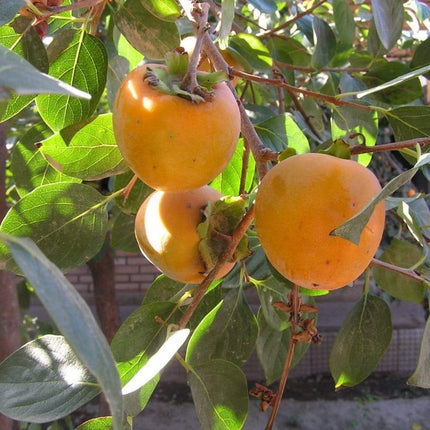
(288, 361)
(276, 82)
(223, 259)
(406, 272)
(291, 21)
(304, 69)
(394, 146)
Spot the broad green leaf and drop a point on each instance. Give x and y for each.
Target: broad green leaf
(220, 393)
(8, 9)
(82, 64)
(44, 381)
(272, 349)
(164, 289)
(29, 167)
(228, 181)
(87, 150)
(252, 49)
(402, 254)
(157, 362)
(374, 45)
(389, 18)
(289, 51)
(280, 132)
(361, 341)
(72, 316)
(421, 56)
(393, 83)
(325, 44)
(228, 332)
(122, 233)
(266, 6)
(130, 204)
(344, 21)
(227, 17)
(166, 10)
(421, 375)
(351, 229)
(67, 222)
(150, 35)
(126, 50)
(409, 122)
(102, 423)
(118, 68)
(23, 39)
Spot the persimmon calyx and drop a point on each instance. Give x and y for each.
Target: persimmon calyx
(220, 220)
(168, 79)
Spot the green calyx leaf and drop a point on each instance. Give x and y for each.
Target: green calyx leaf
(221, 219)
(168, 79)
(339, 148)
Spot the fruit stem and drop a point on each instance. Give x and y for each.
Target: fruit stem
(394, 146)
(200, 291)
(292, 344)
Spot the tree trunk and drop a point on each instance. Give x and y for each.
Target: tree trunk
(10, 336)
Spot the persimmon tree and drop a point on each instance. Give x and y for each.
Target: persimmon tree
(309, 76)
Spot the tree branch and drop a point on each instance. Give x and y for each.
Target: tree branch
(394, 146)
(406, 272)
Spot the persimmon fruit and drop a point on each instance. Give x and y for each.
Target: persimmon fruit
(166, 231)
(171, 143)
(300, 202)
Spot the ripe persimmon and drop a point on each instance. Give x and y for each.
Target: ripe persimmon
(166, 231)
(300, 202)
(170, 142)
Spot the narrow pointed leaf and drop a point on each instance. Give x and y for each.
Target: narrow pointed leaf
(220, 393)
(67, 221)
(44, 381)
(389, 18)
(72, 316)
(344, 21)
(421, 375)
(325, 43)
(227, 17)
(82, 64)
(361, 341)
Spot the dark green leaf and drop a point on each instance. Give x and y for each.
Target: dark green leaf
(220, 394)
(374, 45)
(151, 36)
(71, 315)
(290, 51)
(272, 349)
(29, 167)
(67, 221)
(361, 341)
(402, 254)
(421, 375)
(252, 49)
(87, 150)
(421, 56)
(389, 18)
(266, 6)
(409, 122)
(344, 20)
(228, 181)
(44, 381)
(166, 10)
(82, 64)
(164, 289)
(228, 332)
(122, 233)
(117, 70)
(8, 9)
(325, 44)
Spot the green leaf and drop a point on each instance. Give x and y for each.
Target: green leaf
(122, 233)
(389, 18)
(103, 423)
(280, 132)
(272, 349)
(325, 44)
(252, 49)
(126, 50)
(44, 381)
(289, 51)
(228, 181)
(87, 150)
(166, 10)
(361, 341)
(402, 254)
(344, 21)
(220, 394)
(227, 17)
(421, 375)
(409, 122)
(151, 36)
(266, 6)
(118, 68)
(164, 289)
(72, 316)
(421, 56)
(351, 229)
(9, 9)
(228, 332)
(29, 167)
(82, 64)
(67, 221)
